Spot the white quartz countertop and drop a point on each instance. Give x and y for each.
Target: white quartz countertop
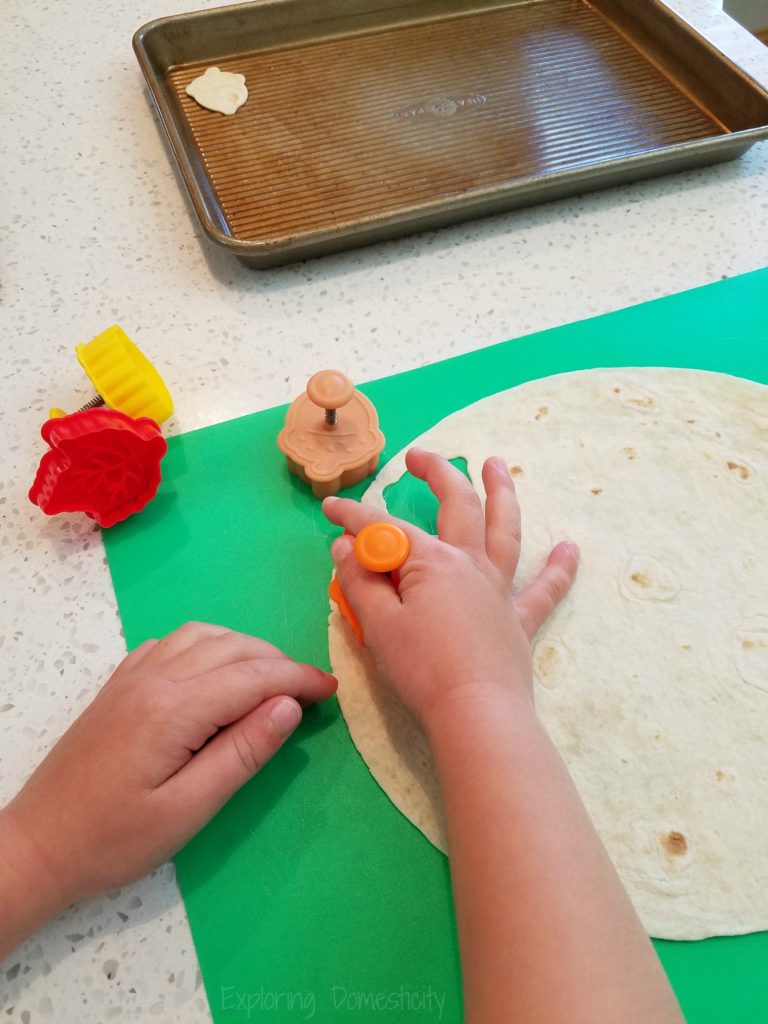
(96, 230)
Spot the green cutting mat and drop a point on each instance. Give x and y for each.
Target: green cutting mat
(310, 897)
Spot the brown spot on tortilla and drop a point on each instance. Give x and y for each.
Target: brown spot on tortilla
(597, 490)
(630, 453)
(657, 737)
(743, 472)
(546, 660)
(543, 411)
(645, 403)
(515, 470)
(686, 647)
(617, 391)
(690, 421)
(719, 775)
(640, 579)
(675, 844)
(747, 644)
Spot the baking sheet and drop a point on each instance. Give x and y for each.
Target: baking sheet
(363, 125)
(309, 886)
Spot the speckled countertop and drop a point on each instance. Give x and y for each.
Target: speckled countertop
(96, 230)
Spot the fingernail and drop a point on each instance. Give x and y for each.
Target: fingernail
(572, 550)
(285, 716)
(330, 499)
(500, 465)
(340, 546)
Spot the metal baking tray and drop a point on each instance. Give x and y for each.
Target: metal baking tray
(369, 120)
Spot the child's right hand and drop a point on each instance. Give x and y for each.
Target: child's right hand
(455, 644)
(456, 630)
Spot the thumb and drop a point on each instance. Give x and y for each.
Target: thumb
(536, 602)
(231, 758)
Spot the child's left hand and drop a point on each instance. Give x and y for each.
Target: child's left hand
(182, 723)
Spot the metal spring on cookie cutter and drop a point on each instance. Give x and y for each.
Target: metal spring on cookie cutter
(92, 403)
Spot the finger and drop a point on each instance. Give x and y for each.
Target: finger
(181, 639)
(460, 518)
(371, 594)
(216, 651)
(354, 515)
(225, 694)
(502, 518)
(536, 602)
(229, 760)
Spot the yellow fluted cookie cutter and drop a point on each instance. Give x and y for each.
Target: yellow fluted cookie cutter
(123, 377)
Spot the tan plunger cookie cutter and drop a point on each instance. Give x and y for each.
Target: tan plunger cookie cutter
(331, 438)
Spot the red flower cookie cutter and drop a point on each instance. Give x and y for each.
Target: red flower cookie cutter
(102, 462)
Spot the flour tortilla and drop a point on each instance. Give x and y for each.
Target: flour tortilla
(652, 676)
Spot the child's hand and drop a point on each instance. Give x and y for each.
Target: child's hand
(455, 643)
(456, 630)
(181, 725)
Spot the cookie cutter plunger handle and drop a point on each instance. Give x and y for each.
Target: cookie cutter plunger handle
(331, 390)
(382, 547)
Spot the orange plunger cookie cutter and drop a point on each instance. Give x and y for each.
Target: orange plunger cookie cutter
(379, 547)
(331, 438)
(105, 458)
